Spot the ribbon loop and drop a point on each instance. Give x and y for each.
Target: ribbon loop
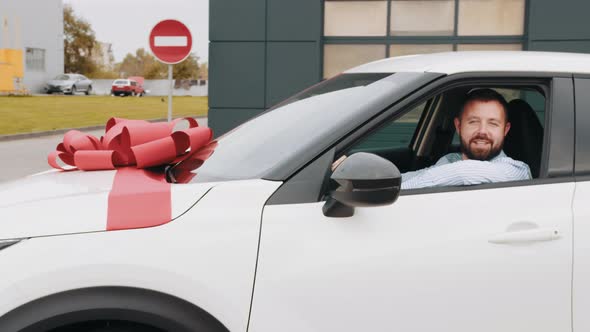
(131, 143)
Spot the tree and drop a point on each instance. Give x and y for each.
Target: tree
(146, 65)
(138, 64)
(188, 69)
(203, 71)
(156, 70)
(79, 41)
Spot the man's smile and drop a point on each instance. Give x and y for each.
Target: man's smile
(481, 142)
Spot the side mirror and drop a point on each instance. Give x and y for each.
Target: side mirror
(365, 179)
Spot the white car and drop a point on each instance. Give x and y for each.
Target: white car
(69, 84)
(266, 237)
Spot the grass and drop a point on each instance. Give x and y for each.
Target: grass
(41, 113)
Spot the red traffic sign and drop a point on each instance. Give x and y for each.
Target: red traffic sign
(171, 41)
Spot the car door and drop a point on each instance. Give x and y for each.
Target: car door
(581, 277)
(85, 81)
(78, 82)
(494, 257)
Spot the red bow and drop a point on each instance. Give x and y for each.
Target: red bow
(133, 142)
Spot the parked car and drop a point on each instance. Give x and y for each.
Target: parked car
(132, 86)
(69, 84)
(265, 236)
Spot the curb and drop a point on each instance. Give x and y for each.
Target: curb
(14, 137)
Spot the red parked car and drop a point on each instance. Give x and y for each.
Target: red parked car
(132, 86)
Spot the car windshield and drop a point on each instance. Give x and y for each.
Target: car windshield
(120, 82)
(302, 124)
(62, 77)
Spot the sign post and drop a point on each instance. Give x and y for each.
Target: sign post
(170, 87)
(171, 43)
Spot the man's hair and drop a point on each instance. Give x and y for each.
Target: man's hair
(484, 95)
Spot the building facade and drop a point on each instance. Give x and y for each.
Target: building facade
(103, 55)
(262, 51)
(41, 43)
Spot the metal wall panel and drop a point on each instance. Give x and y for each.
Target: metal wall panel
(559, 20)
(579, 46)
(559, 26)
(260, 52)
(291, 67)
(290, 20)
(237, 20)
(236, 74)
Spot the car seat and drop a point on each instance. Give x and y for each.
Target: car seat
(524, 141)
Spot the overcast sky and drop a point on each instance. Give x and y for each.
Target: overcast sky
(127, 23)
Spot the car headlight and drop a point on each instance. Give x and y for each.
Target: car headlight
(7, 243)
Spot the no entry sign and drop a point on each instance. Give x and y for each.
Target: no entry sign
(170, 41)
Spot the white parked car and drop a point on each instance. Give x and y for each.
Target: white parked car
(69, 84)
(266, 237)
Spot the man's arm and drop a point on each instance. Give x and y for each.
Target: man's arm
(442, 161)
(468, 172)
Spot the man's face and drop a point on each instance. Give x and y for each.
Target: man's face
(482, 128)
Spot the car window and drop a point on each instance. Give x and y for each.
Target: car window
(395, 135)
(133, 83)
(339, 82)
(395, 140)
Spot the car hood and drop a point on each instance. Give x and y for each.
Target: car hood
(55, 203)
(60, 82)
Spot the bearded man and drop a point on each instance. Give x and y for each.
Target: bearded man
(482, 125)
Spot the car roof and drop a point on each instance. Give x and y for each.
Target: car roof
(481, 61)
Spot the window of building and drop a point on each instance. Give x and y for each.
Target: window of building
(422, 18)
(407, 49)
(360, 31)
(355, 18)
(35, 59)
(345, 56)
(489, 47)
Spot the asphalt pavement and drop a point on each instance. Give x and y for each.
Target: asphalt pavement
(28, 156)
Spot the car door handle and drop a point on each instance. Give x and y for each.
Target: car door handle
(523, 236)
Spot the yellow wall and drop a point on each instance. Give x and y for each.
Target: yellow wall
(6, 81)
(11, 66)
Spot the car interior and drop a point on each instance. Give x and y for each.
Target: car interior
(425, 133)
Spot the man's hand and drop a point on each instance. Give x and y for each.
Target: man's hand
(336, 163)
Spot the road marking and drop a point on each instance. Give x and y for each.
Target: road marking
(170, 41)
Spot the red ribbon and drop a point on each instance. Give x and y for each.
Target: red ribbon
(128, 143)
(139, 197)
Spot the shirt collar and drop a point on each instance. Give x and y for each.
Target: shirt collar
(500, 155)
(458, 156)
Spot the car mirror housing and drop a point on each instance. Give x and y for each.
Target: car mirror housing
(365, 180)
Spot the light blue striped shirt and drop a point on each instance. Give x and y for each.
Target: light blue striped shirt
(452, 170)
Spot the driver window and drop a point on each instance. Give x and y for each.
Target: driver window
(393, 140)
(505, 146)
(396, 135)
